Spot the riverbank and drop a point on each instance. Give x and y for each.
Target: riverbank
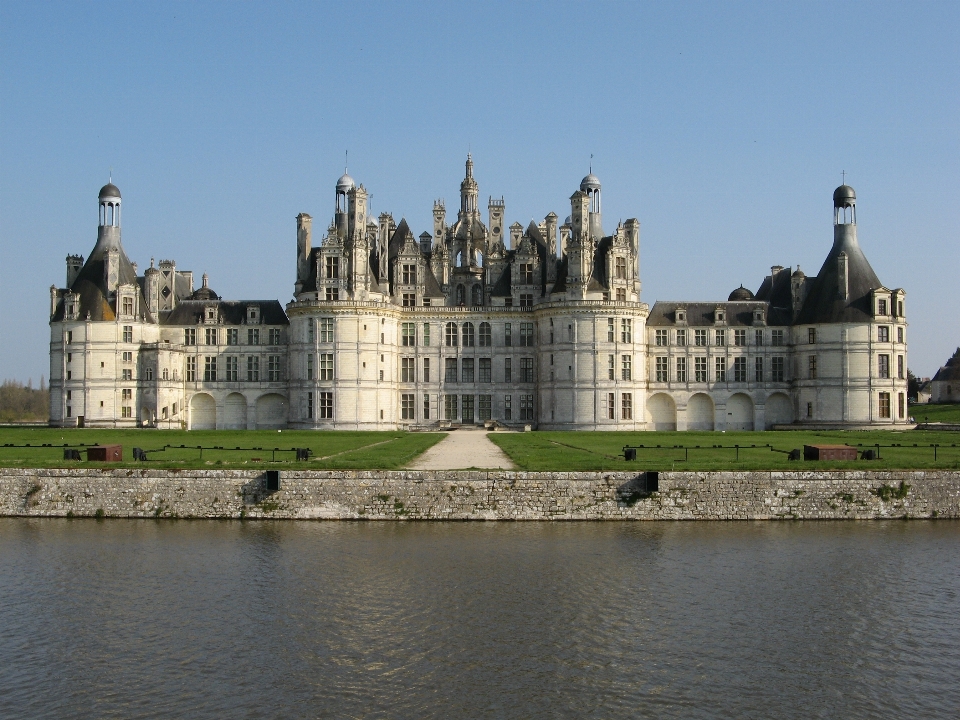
(479, 495)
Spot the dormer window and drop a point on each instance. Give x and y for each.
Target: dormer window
(211, 314)
(881, 307)
(681, 316)
(253, 315)
(719, 315)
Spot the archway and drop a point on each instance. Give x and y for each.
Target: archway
(661, 413)
(235, 412)
(203, 412)
(778, 410)
(739, 412)
(271, 412)
(700, 412)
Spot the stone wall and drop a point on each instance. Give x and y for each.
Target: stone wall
(465, 495)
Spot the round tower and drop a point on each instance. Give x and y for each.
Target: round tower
(109, 205)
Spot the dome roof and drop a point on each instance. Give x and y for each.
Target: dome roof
(844, 196)
(109, 191)
(204, 293)
(740, 294)
(798, 273)
(345, 183)
(590, 182)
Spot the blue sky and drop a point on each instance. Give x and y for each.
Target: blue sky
(722, 126)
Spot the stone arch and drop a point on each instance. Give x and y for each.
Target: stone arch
(740, 412)
(271, 412)
(235, 412)
(203, 412)
(461, 295)
(700, 412)
(778, 410)
(661, 412)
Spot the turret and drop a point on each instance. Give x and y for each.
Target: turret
(469, 190)
(74, 265)
(304, 244)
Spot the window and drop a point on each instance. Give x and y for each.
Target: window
(486, 370)
(127, 374)
(569, 333)
(526, 334)
(882, 310)
(426, 369)
(661, 369)
(508, 369)
(526, 274)
(809, 409)
(758, 338)
(626, 331)
(233, 365)
(883, 334)
(253, 336)
(332, 293)
(740, 337)
(310, 333)
(274, 336)
(253, 368)
(883, 366)
(128, 333)
(273, 368)
(776, 337)
(682, 338)
(211, 336)
(812, 367)
(900, 366)
(526, 408)
(210, 368)
(127, 306)
(467, 368)
(468, 335)
(126, 412)
(426, 334)
(408, 372)
(127, 357)
(620, 268)
(611, 406)
(621, 295)
(681, 369)
(450, 406)
(626, 406)
(611, 333)
(233, 335)
(485, 403)
(409, 275)
(508, 302)
(700, 338)
(899, 334)
(450, 370)
(309, 405)
(884, 402)
(486, 337)
(166, 374)
(526, 370)
(466, 409)
(626, 363)
(333, 267)
(326, 405)
(526, 299)
(409, 299)
(700, 369)
(720, 368)
(507, 337)
(720, 337)
(408, 334)
(661, 338)
(758, 369)
(451, 334)
(900, 405)
(508, 407)
(611, 367)
(406, 406)
(900, 308)
(126, 394)
(191, 369)
(70, 336)
(740, 369)
(326, 366)
(811, 336)
(326, 330)
(426, 407)
(776, 369)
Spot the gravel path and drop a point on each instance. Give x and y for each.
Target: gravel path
(461, 449)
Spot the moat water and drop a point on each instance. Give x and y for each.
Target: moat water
(229, 619)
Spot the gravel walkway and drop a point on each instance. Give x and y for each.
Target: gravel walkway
(461, 449)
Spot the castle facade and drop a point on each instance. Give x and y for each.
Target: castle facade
(473, 323)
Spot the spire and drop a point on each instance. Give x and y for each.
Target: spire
(469, 165)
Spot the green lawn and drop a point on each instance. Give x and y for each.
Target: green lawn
(936, 413)
(331, 450)
(603, 450)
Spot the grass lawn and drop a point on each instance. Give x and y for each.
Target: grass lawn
(559, 451)
(928, 412)
(331, 450)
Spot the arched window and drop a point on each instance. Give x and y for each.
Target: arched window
(451, 334)
(461, 295)
(486, 338)
(479, 259)
(460, 258)
(477, 295)
(468, 337)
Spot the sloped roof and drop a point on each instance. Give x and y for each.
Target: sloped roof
(700, 314)
(824, 303)
(232, 312)
(950, 371)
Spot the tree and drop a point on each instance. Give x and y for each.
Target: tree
(913, 386)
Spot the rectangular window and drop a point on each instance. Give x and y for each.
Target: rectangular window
(526, 408)
(128, 333)
(210, 368)
(274, 336)
(661, 369)
(310, 333)
(253, 336)
(211, 336)
(901, 402)
(626, 331)
(700, 369)
(466, 409)
(720, 337)
(811, 336)
(626, 406)
(191, 369)
(611, 406)
(126, 394)
(740, 369)
(69, 336)
(682, 338)
(233, 335)
(526, 299)
(309, 367)
(409, 275)
(126, 412)
(326, 366)
(408, 373)
(127, 308)
(309, 406)
(899, 334)
(450, 407)
(883, 334)
(569, 334)
(740, 337)
(333, 267)
(526, 334)
(611, 333)
(426, 334)
(776, 337)
(409, 299)
(326, 330)
(611, 367)
(467, 370)
(526, 274)
(700, 338)
(451, 334)
(450, 370)
(883, 366)
(620, 268)
(681, 369)
(486, 335)
(508, 369)
(621, 295)
(758, 369)
(332, 294)
(809, 409)
(127, 374)
(273, 368)
(776, 369)
(233, 368)
(812, 367)
(882, 310)
(661, 338)
(485, 406)
(884, 402)
(720, 368)
(426, 369)
(626, 367)
(507, 337)
(426, 406)
(900, 366)
(406, 406)
(526, 370)
(127, 357)
(508, 407)
(486, 370)
(758, 338)
(408, 334)
(326, 405)
(253, 368)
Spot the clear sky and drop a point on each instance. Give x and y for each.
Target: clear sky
(722, 126)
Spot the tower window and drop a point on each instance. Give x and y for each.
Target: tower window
(620, 268)
(333, 267)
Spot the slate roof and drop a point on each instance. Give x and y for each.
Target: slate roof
(951, 371)
(231, 312)
(700, 314)
(824, 304)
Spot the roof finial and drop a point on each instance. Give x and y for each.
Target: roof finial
(346, 158)
(843, 177)
(111, 176)
(591, 163)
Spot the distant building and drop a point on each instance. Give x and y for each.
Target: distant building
(945, 385)
(474, 322)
